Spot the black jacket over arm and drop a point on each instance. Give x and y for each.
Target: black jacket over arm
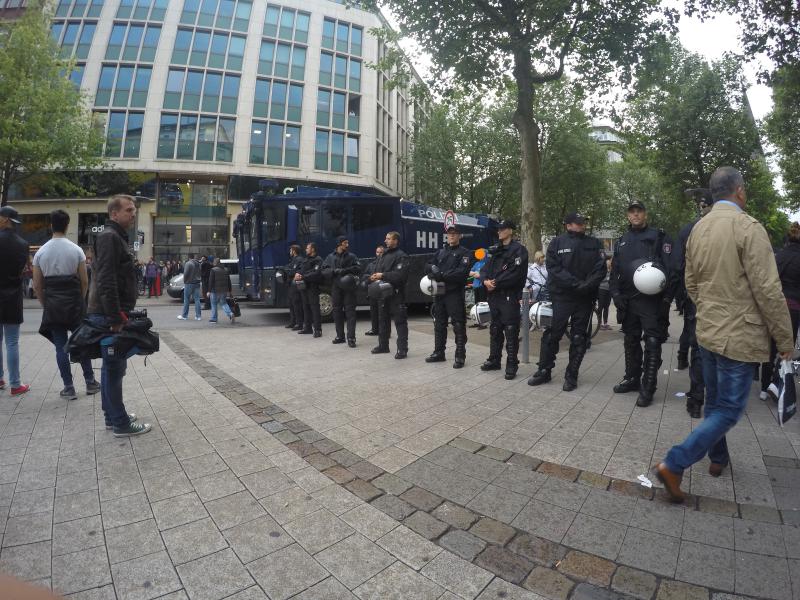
(63, 304)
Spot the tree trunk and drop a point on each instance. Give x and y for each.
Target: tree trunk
(530, 167)
(5, 184)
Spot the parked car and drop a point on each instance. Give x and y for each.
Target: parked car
(175, 287)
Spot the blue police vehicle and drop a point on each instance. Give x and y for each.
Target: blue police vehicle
(270, 223)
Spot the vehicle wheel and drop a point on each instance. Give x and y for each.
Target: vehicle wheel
(326, 306)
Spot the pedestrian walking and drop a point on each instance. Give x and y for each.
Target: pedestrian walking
(205, 272)
(219, 290)
(14, 251)
(151, 278)
(342, 267)
(732, 278)
(392, 269)
(191, 288)
(61, 282)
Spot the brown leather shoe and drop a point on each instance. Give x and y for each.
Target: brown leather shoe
(715, 469)
(671, 481)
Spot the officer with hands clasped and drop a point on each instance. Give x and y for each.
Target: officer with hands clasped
(295, 298)
(642, 285)
(391, 268)
(311, 274)
(450, 266)
(575, 268)
(504, 277)
(343, 268)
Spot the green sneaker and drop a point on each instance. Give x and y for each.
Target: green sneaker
(133, 429)
(92, 387)
(131, 418)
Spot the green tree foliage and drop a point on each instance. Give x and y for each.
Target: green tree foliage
(783, 129)
(44, 121)
(480, 42)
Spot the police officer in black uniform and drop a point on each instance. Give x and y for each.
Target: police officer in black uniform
(450, 266)
(392, 269)
(311, 274)
(295, 299)
(642, 316)
(696, 395)
(504, 276)
(373, 304)
(343, 268)
(575, 267)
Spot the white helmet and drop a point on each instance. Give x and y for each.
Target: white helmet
(430, 287)
(480, 314)
(649, 279)
(541, 313)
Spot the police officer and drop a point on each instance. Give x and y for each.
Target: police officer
(392, 269)
(450, 265)
(295, 299)
(373, 304)
(696, 395)
(311, 274)
(344, 270)
(575, 267)
(504, 277)
(642, 316)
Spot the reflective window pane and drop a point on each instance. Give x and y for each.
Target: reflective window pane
(166, 136)
(275, 144)
(205, 138)
(150, 43)
(324, 108)
(140, 87)
(295, 104)
(125, 9)
(230, 94)
(298, 62)
(105, 85)
(131, 51)
(114, 134)
(236, 52)
(355, 76)
(258, 140)
(159, 10)
(271, 21)
(338, 110)
(261, 100)
(266, 58)
(242, 19)
(191, 90)
(355, 40)
(301, 27)
(352, 154)
(328, 27)
(189, 13)
(340, 77)
(277, 108)
(207, 10)
(85, 41)
(225, 14)
(286, 29)
(342, 37)
(211, 91)
(219, 47)
(133, 135)
(122, 89)
(200, 48)
(321, 151)
(282, 60)
(325, 68)
(225, 132)
(180, 52)
(142, 10)
(186, 137)
(292, 142)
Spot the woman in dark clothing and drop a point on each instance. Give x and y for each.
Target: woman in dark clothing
(788, 260)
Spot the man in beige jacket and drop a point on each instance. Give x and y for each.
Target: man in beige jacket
(732, 277)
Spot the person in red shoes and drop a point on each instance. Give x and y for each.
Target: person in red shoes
(14, 251)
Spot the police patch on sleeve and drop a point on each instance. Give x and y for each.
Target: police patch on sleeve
(465, 260)
(517, 261)
(316, 267)
(667, 248)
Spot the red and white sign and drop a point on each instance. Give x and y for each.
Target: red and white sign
(449, 219)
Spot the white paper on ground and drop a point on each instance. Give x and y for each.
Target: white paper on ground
(679, 394)
(645, 481)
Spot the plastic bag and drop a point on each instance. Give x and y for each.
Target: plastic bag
(783, 390)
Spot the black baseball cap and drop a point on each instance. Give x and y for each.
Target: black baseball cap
(11, 214)
(340, 239)
(636, 204)
(453, 228)
(507, 224)
(576, 218)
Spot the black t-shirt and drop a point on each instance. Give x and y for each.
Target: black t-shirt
(14, 251)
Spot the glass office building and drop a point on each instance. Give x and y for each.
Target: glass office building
(200, 99)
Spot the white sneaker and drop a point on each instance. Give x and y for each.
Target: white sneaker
(198, 318)
(181, 318)
(762, 395)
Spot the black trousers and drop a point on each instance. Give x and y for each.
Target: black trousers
(295, 301)
(393, 309)
(449, 307)
(505, 314)
(374, 311)
(603, 304)
(573, 312)
(643, 318)
(344, 307)
(311, 315)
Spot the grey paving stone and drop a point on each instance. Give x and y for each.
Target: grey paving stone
(76, 535)
(411, 548)
(495, 453)
(762, 576)
(123, 511)
(427, 526)
(363, 489)
(399, 582)
(147, 577)
(650, 551)
(633, 582)
(354, 560)
(80, 570)
(254, 539)
(565, 494)
(465, 444)
(215, 576)
(657, 517)
(474, 465)
(596, 536)
(365, 470)
(421, 499)
(761, 538)
(498, 503)
(502, 589)
(391, 484)
(369, 521)
(504, 563)
(318, 530)
(708, 528)
(178, 510)
(34, 501)
(235, 509)
(108, 465)
(167, 485)
(393, 506)
(462, 543)
(267, 482)
(544, 520)
(249, 462)
(520, 480)
(72, 483)
(118, 485)
(493, 531)
(76, 506)
(28, 529)
(287, 572)
(217, 485)
(760, 513)
(28, 562)
(791, 536)
(193, 540)
(609, 506)
(290, 504)
(345, 457)
(336, 499)
(705, 565)
(455, 515)
(587, 591)
(251, 593)
(539, 550)
(457, 575)
(102, 593)
(202, 465)
(133, 541)
(442, 481)
(327, 589)
(158, 465)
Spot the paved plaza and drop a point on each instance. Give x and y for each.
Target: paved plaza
(282, 466)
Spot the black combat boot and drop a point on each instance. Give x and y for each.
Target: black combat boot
(694, 407)
(652, 363)
(633, 366)
(460, 333)
(541, 376)
(495, 348)
(512, 349)
(577, 350)
(439, 342)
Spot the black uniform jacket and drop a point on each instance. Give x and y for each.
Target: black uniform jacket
(395, 270)
(575, 266)
(311, 270)
(337, 265)
(636, 247)
(454, 263)
(508, 266)
(788, 259)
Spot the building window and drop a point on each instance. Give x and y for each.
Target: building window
(222, 14)
(286, 23)
(335, 151)
(123, 86)
(74, 37)
(282, 60)
(201, 48)
(142, 10)
(275, 144)
(339, 71)
(196, 137)
(338, 110)
(79, 8)
(133, 42)
(201, 90)
(342, 36)
(122, 133)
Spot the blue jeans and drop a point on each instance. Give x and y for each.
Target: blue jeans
(191, 290)
(218, 300)
(111, 374)
(11, 333)
(727, 390)
(60, 339)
